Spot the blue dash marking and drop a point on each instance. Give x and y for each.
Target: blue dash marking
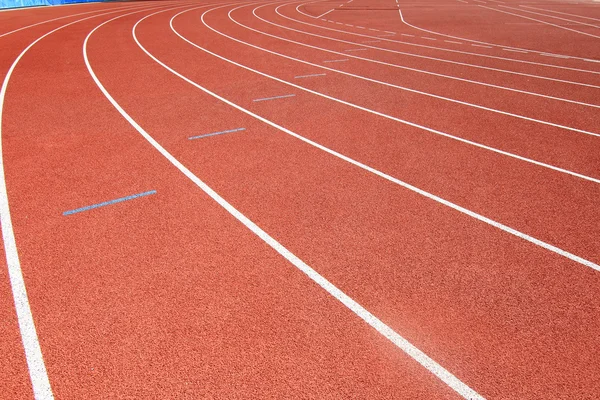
(276, 97)
(216, 133)
(107, 203)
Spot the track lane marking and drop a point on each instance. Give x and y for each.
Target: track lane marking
(543, 22)
(491, 44)
(374, 171)
(466, 141)
(516, 60)
(390, 84)
(448, 61)
(59, 18)
(399, 341)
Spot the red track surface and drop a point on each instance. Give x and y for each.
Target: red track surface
(170, 296)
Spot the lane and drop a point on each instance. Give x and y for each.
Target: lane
(358, 67)
(406, 276)
(167, 295)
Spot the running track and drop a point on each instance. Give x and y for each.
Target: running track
(367, 199)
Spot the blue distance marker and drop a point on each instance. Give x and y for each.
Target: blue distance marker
(308, 76)
(216, 133)
(107, 203)
(276, 97)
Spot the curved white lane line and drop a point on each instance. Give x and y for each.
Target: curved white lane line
(33, 352)
(380, 114)
(422, 358)
(551, 16)
(443, 60)
(374, 171)
(541, 21)
(446, 49)
(488, 43)
(383, 82)
(558, 12)
(443, 75)
(59, 18)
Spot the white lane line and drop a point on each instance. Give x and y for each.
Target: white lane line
(454, 206)
(579, 23)
(590, 60)
(462, 1)
(450, 61)
(426, 194)
(360, 27)
(393, 33)
(481, 45)
(355, 50)
(491, 44)
(325, 13)
(563, 13)
(407, 34)
(543, 22)
(38, 374)
(358, 107)
(452, 41)
(331, 61)
(399, 341)
(57, 19)
(428, 72)
(515, 51)
(373, 29)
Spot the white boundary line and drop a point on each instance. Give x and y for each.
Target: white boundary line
(31, 345)
(450, 50)
(563, 13)
(551, 16)
(442, 60)
(374, 171)
(541, 21)
(387, 83)
(480, 42)
(56, 19)
(380, 114)
(346, 300)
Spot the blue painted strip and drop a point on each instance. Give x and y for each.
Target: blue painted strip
(216, 133)
(336, 60)
(106, 203)
(308, 76)
(276, 97)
